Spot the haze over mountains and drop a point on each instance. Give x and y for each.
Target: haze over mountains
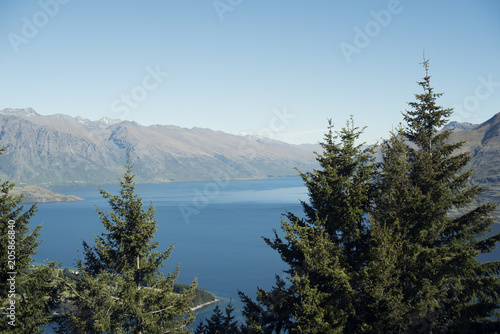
(64, 150)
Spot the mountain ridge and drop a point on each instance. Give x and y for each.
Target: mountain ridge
(459, 126)
(483, 141)
(63, 150)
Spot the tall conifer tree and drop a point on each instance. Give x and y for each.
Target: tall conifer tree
(122, 289)
(32, 290)
(327, 250)
(424, 273)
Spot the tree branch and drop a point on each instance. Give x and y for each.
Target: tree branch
(158, 311)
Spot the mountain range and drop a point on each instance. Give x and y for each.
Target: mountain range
(63, 150)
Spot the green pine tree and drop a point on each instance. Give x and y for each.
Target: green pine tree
(379, 250)
(32, 290)
(122, 289)
(230, 325)
(327, 250)
(424, 273)
(220, 323)
(215, 325)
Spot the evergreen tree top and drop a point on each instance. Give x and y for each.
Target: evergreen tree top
(425, 118)
(123, 289)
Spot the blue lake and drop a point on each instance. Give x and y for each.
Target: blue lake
(216, 228)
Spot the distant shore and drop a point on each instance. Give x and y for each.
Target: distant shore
(205, 304)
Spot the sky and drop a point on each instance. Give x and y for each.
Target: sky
(278, 69)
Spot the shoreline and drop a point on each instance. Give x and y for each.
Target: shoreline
(205, 304)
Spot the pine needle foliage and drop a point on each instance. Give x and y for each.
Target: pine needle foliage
(123, 289)
(326, 250)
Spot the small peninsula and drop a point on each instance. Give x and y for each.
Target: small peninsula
(34, 194)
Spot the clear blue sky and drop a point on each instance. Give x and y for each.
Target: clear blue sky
(277, 68)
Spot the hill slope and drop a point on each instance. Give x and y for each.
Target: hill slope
(483, 141)
(62, 150)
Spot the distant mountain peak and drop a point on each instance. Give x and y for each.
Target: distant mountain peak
(26, 112)
(105, 121)
(459, 126)
(99, 124)
(109, 121)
